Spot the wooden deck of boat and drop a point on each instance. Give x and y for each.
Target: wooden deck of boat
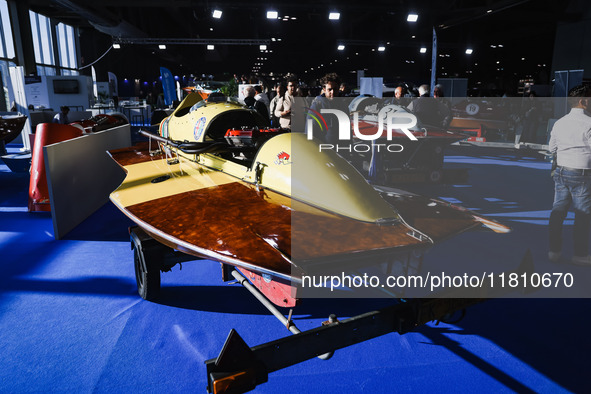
(209, 213)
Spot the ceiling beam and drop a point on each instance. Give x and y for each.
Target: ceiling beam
(189, 41)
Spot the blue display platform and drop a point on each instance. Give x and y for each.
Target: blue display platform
(71, 319)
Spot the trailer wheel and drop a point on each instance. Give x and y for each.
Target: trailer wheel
(146, 275)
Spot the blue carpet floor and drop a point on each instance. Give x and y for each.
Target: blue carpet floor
(71, 319)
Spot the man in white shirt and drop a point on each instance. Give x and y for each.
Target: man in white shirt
(62, 116)
(260, 96)
(280, 89)
(570, 141)
(283, 109)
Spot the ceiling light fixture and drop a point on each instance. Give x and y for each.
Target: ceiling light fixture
(217, 14)
(469, 51)
(116, 46)
(341, 47)
(381, 48)
(272, 14)
(412, 18)
(161, 46)
(210, 47)
(334, 16)
(423, 50)
(263, 47)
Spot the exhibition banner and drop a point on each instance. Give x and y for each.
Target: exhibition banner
(433, 62)
(167, 85)
(113, 86)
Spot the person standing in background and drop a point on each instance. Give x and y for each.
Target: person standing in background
(280, 92)
(261, 96)
(62, 116)
(570, 141)
(285, 105)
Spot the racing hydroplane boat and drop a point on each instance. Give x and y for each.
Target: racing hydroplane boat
(217, 183)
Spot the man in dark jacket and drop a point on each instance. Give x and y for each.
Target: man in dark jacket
(255, 104)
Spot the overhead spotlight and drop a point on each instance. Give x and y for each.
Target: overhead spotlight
(116, 46)
(210, 47)
(423, 50)
(161, 46)
(341, 47)
(334, 16)
(489, 11)
(217, 14)
(272, 14)
(469, 51)
(412, 18)
(263, 47)
(381, 48)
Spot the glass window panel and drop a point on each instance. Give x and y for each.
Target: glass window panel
(66, 46)
(71, 47)
(46, 40)
(46, 70)
(7, 47)
(36, 38)
(62, 45)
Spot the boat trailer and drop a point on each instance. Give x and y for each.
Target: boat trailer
(240, 368)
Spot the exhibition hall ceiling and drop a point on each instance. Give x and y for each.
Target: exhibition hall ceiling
(515, 35)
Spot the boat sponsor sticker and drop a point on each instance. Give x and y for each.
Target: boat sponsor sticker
(283, 158)
(472, 109)
(199, 127)
(164, 127)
